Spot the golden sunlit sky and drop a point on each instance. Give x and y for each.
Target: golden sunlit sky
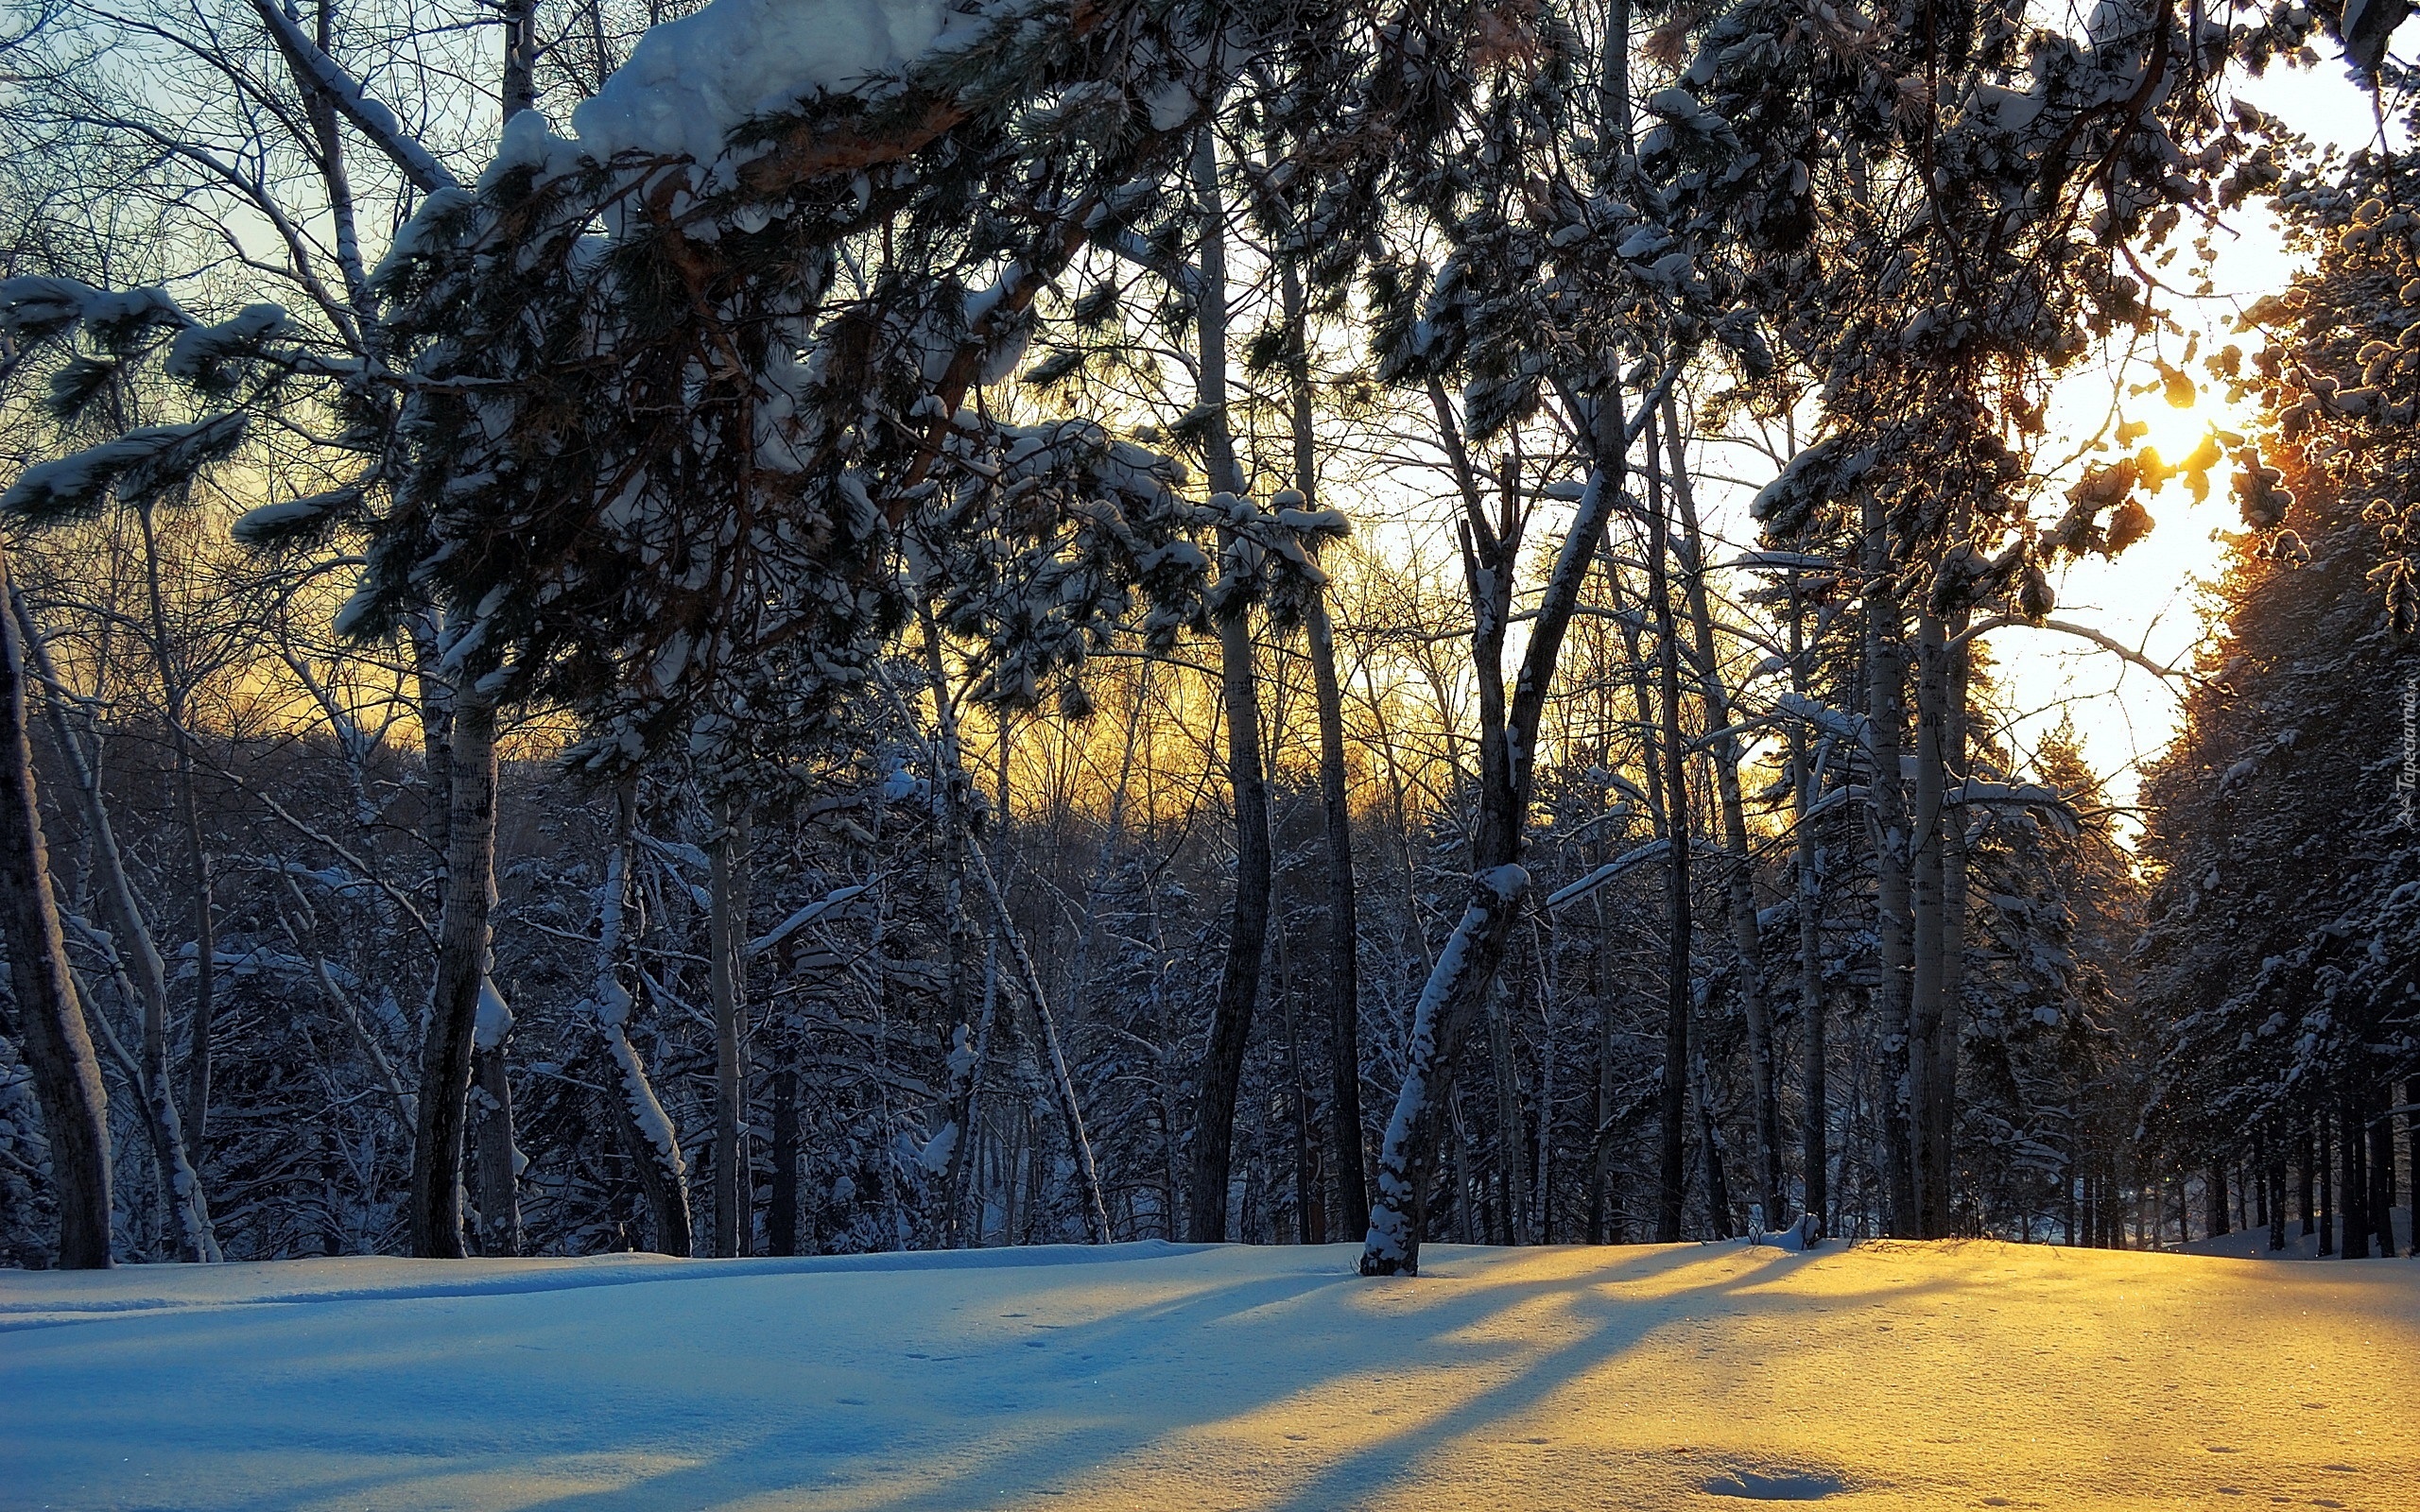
(2148, 598)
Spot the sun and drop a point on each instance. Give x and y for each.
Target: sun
(2174, 430)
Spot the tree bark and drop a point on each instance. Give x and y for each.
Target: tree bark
(1508, 750)
(1512, 1131)
(1887, 717)
(1739, 878)
(1672, 1165)
(727, 967)
(654, 1144)
(781, 1220)
(436, 1192)
(1943, 1115)
(2353, 1192)
(1230, 1017)
(1928, 910)
(57, 1046)
(2323, 1171)
(497, 1160)
(2381, 1162)
(140, 970)
(196, 1109)
(1816, 1153)
(1336, 814)
(2412, 1148)
(519, 91)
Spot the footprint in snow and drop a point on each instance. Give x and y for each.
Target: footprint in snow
(1775, 1485)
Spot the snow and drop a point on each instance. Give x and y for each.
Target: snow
(2253, 1243)
(689, 82)
(1152, 1375)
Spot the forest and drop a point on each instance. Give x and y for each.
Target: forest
(814, 626)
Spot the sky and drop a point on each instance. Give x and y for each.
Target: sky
(2148, 597)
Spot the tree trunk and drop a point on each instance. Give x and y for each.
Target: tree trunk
(1816, 1152)
(436, 1193)
(1231, 1016)
(1718, 1186)
(57, 1046)
(498, 1162)
(1943, 1116)
(1739, 874)
(140, 969)
(2324, 1172)
(2354, 1194)
(1061, 1077)
(654, 1144)
(519, 91)
(1310, 1206)
(1336, 814)
(970, 1056)
(726, 970)
(172, 696)
(1671, 1192)
(2307, 1205)
(2381, 1133)
(2274, 1194)
(1928, 912)
(781, 1219)
(1887, 722)
(1511, 1136)
(2411, 1150)
(1507, 751)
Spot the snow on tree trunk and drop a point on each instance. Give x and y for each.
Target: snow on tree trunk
(497, 1160)
(1399, 1206)
(655, 1144)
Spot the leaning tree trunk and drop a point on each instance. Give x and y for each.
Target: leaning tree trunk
(57, 1046)
(1223, 1065)
(1507, 751)
(140, 968)
(436, 1192)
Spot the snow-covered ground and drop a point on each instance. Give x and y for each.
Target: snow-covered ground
(2253, 1243)
(1151, 1377)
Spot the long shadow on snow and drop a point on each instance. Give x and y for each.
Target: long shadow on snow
(1058, 1454)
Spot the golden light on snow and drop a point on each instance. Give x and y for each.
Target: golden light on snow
(1241, 1378)
(1235, 1379)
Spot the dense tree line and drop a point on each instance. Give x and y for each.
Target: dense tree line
(1119, 630)
(2276, 965)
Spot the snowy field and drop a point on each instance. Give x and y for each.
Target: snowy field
(1150, 1377)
